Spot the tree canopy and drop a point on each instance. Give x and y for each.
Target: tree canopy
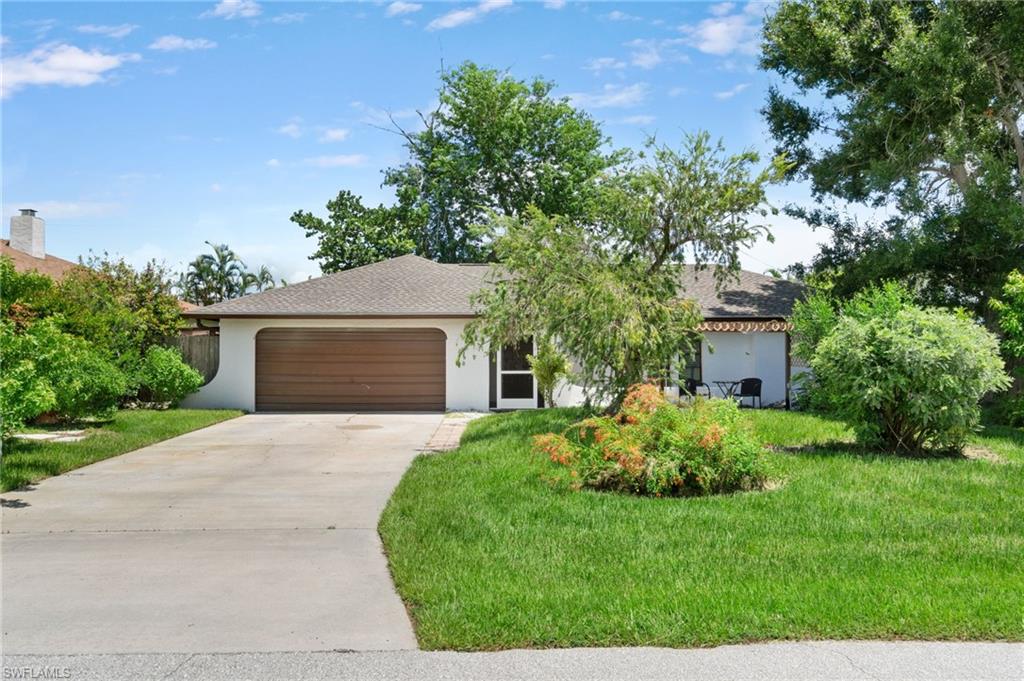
(606, 288)
(917, 106)
(494, 145)
(221, 275)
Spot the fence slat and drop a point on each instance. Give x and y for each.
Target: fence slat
(200, 352)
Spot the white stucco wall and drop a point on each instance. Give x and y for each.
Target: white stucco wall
(733, 356)
(234, 386)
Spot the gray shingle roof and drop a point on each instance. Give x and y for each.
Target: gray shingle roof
(411, 286)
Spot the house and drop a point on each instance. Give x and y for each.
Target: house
(27, 247)
(386, 336)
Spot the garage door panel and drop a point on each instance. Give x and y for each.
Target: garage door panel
(350, 369)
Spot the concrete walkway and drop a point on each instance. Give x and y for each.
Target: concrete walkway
(257, 534)
(817, 661)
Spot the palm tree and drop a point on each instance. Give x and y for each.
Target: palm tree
(260, 280)
(220, 275)
(226, 270)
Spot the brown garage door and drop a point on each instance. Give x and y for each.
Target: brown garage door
(350, 370)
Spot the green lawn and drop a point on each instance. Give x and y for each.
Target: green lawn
(488, 556)
(25, 462)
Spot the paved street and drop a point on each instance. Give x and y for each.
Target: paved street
(818, 661)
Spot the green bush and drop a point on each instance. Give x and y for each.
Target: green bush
(549, 366)
(24, 391)
(908, 379)
(654, 447)
(165, 377)
(46, 370)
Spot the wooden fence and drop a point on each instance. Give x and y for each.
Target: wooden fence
(200, 352)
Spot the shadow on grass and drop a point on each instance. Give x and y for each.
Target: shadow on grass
(831, 448)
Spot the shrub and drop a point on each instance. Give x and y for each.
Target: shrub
(165, 377)
(654, 447)
(549, 366)
(24, 390)
(47, 370)
(909, 379)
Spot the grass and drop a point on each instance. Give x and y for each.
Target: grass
(25, 462)
(487, 556)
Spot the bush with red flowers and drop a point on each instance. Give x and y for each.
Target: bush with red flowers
(658, 448)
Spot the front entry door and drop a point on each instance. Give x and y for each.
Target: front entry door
(517, 388)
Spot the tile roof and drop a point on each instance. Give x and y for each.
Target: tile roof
(411, 286)
(51, 266)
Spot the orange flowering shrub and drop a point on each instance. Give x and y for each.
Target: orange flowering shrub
(654, 447)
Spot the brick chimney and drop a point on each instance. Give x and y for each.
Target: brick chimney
(28, 233)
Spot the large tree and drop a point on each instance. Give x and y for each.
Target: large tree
(221, 275)
(606, 287)
(495, 145)
(916, 106)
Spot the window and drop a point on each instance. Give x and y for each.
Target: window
(693, 369)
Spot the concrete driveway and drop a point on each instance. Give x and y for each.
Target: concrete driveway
(257, 534)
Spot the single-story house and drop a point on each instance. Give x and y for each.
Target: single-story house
(386, 337)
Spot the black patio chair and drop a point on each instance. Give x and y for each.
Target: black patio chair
(749, 387)
(693, 387)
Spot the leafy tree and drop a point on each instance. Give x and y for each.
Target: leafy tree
(608, 288)
(1010, 308)
(495, 145)
(21, 293)
(913, 105)
(24, 390)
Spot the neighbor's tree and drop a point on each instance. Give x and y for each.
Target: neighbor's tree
(912, 105)
(221, 275)
(607, 288)
(494, 145)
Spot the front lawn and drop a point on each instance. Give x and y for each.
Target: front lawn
(25, 462)
(488, 556)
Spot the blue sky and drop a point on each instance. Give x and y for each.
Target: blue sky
(144, 129)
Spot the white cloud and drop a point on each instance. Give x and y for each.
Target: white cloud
(616, 15)
(291, 128)
(216, 188)
(290, 18)
(400, 7)
(175, 43)
(166, 70)
(642, 119)
(273, 163)
(726, 34)
(58, 64)
(554, 4)
(334, 135)
(68, 210)
(611, 96)
(458, 17)
(676, 91)
(119, 31)
(648, 53)
(383, 117)
(732, 92)
(339, 161)
(604, 64)
(721, 9)
(235, 9)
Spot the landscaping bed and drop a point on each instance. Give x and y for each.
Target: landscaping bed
(27, 461)
(488, 555)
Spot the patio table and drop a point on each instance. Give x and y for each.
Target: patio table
(727, 387)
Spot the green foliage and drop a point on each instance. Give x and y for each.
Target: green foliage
(22, 292)
(1010, 308)
(549, 367)
(608, 287)
(165, 377)
(25, 391)
(220, 275)
(913, 104)
(495, 145)
(119, 310)
(47, 370)
(654, 447)
(907, 379)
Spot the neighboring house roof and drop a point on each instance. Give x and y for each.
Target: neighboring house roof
(51, 266)
(411, 286)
